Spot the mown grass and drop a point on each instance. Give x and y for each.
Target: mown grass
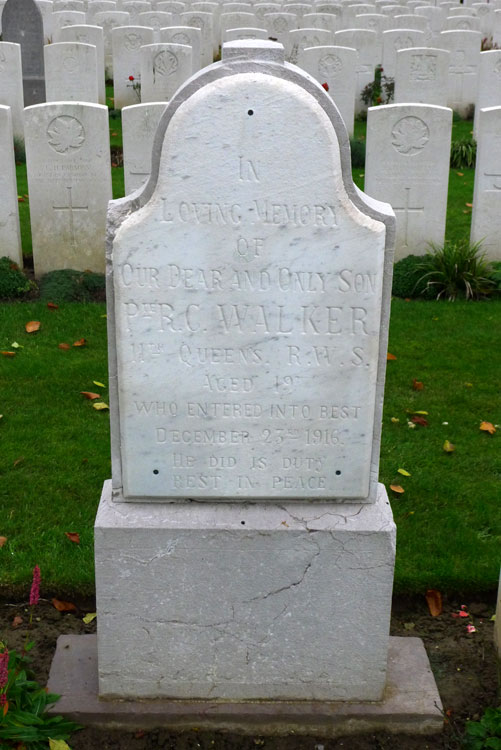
(55, 445)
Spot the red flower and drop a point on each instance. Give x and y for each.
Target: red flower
(3, 700)
(35, 586)
(325, 86)
(131, 78)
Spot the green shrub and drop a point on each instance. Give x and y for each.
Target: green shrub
(495, 274)
(19, 150)
(69, 285)
(380, 91)
(406, 279)
(357, 153)
(13, 282)
(486, 733)
(457, 269)
(463, 153)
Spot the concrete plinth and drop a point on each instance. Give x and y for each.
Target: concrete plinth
(411, 703)
(241, 601)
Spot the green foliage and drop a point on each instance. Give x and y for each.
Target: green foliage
(19, 150)
(357, 153)
(457, 269)
(486, 733)
(380, 91)
(69, 285)
(13, 282)
(406, 279)
(26, 720)
(463, 153)
(495, 274)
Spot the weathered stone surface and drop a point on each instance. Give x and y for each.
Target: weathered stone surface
(126, 42)
(489, 84)
(394, 40)
(486, 214)
(11, 85)
(139, 125)
(164, 68)
(69, 177)
(10, 235)
(188, 35)
(368, 47)
(275, 363)
(268, 615)
(22, 24)
(421, 76)
(464, 62)
(87, 34)
(71, 72)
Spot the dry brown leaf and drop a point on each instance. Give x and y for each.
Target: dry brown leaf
(17, 621)
(397, 488)
(63, 346)
(18, 461)
(63, 606)
(417, 385)
(419, 420)
(487, 427)
(460, 174)
(32, 326)
(3, 539)
(434, 601)
(73, 536)
(91, 396)
(390, 356)
(469, 205)
(80, 342)
(52, 306)
(8, 354)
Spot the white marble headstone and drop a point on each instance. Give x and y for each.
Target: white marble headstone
(87, 34)
(11, 84)
(126, 45)
(486, 214)
(421, 75)
(10, 234)
(139, 125)
(248, 281)
(71, 72)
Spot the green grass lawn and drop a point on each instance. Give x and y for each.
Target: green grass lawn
(55, 445)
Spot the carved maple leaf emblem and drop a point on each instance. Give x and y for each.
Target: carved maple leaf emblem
(65, 133)
(410, 135)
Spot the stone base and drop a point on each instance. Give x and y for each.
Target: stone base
(411, 702)
(243, 601)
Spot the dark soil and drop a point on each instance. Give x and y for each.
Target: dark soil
(464, 666)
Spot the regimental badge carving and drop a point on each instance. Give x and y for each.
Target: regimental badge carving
(132, 41)
(165, 63)
(403, 42)
(463, 24)
(280, 25)
(65, 134)
(197, 22)
(70, 63)
(423, 68)
(83, 38)
(410, 135)
(329, 65)
(181, 38)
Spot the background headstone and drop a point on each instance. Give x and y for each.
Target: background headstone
(486, 214)
(421, 75)
(126, 45)
(71, 72)
(11, 85)
(188, 35)
(87, 34)
(164, 67)
(22, 24)
(489, 84)
(139, 125)
(464, 63)
(10, 233)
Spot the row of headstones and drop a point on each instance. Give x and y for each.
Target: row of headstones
(69, 177)
(457, 75)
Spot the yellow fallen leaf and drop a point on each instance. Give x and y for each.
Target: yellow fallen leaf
(89, 617)
(488, 427)
(420, 412)
(448, 447)
(32, 326)
(15, 345)
(101, 385)
(395, 420)
(100, 406)
(397, 488)
(469, 385)
(404, 472)
(58, 745)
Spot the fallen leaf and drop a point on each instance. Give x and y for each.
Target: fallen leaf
(32, 326)
(100, 406)
(3, 539)
(488, 427)
(419, 420)
(80, 342)
(89, 617)
(58, 745)
(100, 385)
(409, 625)
(114, 134)
(114, 164)
(469, 205)
(52, 306)
(390, 356)
(417, 385)
(395, 420)
(17, 621)
(469, 385)
(20, 199)
(15, 345)
(73, 536)
(448, 447)
(434, 602)
(18, 461)
(460, 174)
(411, 425)
(63, 606)
(397, 488)
(403, 472)
(91, 396)
(6, 708)
(8, 354)
(421, 412)
(63, 346)
(284, 523)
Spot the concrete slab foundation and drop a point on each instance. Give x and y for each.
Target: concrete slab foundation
(411, 702)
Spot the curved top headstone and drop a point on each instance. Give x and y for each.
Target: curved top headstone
(248, 290)
(22, 23)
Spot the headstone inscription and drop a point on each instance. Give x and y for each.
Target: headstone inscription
(10, 233)
(22, 23)
(421, 75)
(256, 295)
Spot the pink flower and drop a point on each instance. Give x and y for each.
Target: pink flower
(35, 586)
(3, 699)
(471, 629)
(4, 672)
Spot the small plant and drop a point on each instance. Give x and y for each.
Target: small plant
(19, 150)
(136, 87)
(357, 153)
(495, 274)
(486, 733)
(380, 91)
(488, 44)
(13, 282)
(463, 153)
(406, 279)
(457, 269)
(23, 702)
(68, 285)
